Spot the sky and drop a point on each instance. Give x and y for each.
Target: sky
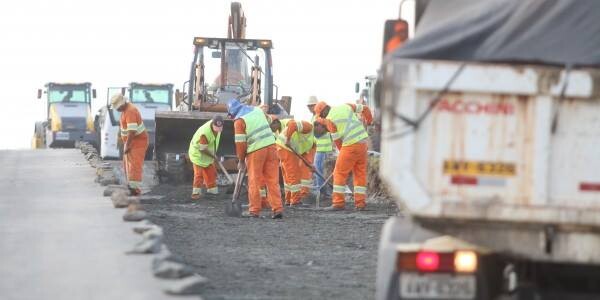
(321, 48)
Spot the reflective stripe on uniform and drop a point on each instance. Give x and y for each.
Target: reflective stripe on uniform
(306, 183)
(360, 189)
(134, 184)
(240, 138)
(339, 189)
(202, 146)
(213, 190)
(196, 191)
(294, 188)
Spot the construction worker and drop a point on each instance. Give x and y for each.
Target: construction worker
(324, 149)
(351, 139)
(255, 148)
(202, 154)
(292, 136)
(135, 139)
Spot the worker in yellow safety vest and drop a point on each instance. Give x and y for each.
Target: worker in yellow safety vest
(202, 153)
(351, 138)
(292, 136)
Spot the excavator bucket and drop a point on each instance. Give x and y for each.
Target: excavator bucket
(174, 131)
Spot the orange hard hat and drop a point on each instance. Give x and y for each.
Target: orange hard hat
(320, 107)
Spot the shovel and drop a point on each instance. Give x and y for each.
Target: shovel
(230, 188)
(318, 198)
(233, 208)
(309, 165)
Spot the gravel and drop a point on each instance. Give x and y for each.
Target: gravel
(310, 254)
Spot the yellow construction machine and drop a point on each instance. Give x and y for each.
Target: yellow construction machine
(222, 69)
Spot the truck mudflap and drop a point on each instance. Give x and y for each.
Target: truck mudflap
(174, 130)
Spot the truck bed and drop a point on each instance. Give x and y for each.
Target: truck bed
(502, 160)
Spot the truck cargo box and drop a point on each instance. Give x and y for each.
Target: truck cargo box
(508, 157)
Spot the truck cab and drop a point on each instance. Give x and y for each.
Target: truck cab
(149, 99)
(69, 117)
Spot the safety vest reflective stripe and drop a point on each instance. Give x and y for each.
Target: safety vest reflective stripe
(339, 189)
(194, 151)
(259, 134)
(349, 129)
(360, 189)
(251, 134)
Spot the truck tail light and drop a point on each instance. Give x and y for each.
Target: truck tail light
(462, 261)
(428, 261)
(465, 261)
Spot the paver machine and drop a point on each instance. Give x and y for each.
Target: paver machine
(222, 69)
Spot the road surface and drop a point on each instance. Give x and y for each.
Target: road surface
(59, 238)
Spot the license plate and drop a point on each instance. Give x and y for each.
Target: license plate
(62, 136)
(436, 286)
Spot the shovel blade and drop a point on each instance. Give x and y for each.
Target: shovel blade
(233, 209)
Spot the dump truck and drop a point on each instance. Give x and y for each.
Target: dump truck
(490, 137)
(69, 118)
(221, 69)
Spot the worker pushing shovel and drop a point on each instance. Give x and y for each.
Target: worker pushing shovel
(255, 148)
(203, 155)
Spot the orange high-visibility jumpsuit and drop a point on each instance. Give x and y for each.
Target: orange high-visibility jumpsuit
(263, 170)
(306, 172)
(351, 159)
(133, 161)
(291, 164)
(204, 176)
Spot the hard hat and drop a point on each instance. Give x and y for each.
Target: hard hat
(233, 107)
(320, 107)
(117, 101)
(312, 100)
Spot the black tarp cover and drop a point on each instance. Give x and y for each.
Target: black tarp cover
(557, 32)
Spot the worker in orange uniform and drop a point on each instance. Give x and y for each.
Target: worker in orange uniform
(135, 139)
(255, 148)
(350, 137)
(296, 135)
(203, 153)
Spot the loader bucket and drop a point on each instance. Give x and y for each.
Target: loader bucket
(174, 131)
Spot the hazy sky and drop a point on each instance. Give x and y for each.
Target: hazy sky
(320, 47)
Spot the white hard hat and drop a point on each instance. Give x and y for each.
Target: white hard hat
(117, 101)
(312, 100)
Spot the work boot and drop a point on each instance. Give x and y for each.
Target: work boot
(248, 214)
(134, 192)
(333, 208)
(278, 215)
(195, 197)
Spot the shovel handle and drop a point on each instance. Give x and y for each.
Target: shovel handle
(307, 164)
(224, 171)
(238, 184)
